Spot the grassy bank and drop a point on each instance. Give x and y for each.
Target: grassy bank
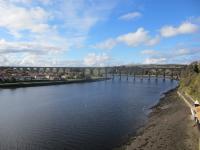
(190, 80)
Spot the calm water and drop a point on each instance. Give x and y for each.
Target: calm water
(88, 116)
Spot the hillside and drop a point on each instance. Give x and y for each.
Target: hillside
(190, 80)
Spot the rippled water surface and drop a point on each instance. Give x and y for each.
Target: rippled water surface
(87, 116)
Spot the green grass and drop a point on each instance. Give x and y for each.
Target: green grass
(190, 83)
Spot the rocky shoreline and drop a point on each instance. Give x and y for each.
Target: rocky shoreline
(169, 127)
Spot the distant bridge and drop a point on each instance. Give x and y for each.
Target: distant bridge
(171, 70)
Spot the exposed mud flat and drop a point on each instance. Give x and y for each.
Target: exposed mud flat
(169, 127)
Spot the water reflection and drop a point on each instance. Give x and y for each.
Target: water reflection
(89, 116)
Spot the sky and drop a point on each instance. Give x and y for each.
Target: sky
(98, 32)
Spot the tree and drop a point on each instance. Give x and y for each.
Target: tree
(196, 68)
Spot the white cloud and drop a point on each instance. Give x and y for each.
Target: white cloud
(82, 15)
(44, 44)
(15, 18)
(184, 28)
(34, 60)
(21, 1)
(130, 16)
(31, 59)
(45, 1)
(40, 39)
(174, 55)
(43, 33)
(133, 39)
(142, 37)
(153, 41)
(149, 52)
(182, 51)
(77, 18)
(27, 47)
(28, 53)
(106, 45)
(93, 59)
(155, 60)
(54, 60)
(30, 1)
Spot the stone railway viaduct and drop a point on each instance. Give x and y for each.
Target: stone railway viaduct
(143, 71)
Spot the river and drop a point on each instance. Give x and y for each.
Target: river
(82, 116)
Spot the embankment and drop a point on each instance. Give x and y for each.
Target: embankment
(45, 83)
(169, 127)
(190, 80)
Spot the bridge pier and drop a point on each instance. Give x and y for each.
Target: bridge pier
(156, 74)
(106, 73)
(149, 74)
(142, 74)
(164, 75)
(98, 72)
(92, 72)
(172, 75)
(82, 72)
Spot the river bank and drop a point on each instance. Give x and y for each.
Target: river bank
(169, 127)
(45, 83)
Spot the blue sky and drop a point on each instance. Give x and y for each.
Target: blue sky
(98, 32)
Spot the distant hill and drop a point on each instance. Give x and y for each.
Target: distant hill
(190, 80)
